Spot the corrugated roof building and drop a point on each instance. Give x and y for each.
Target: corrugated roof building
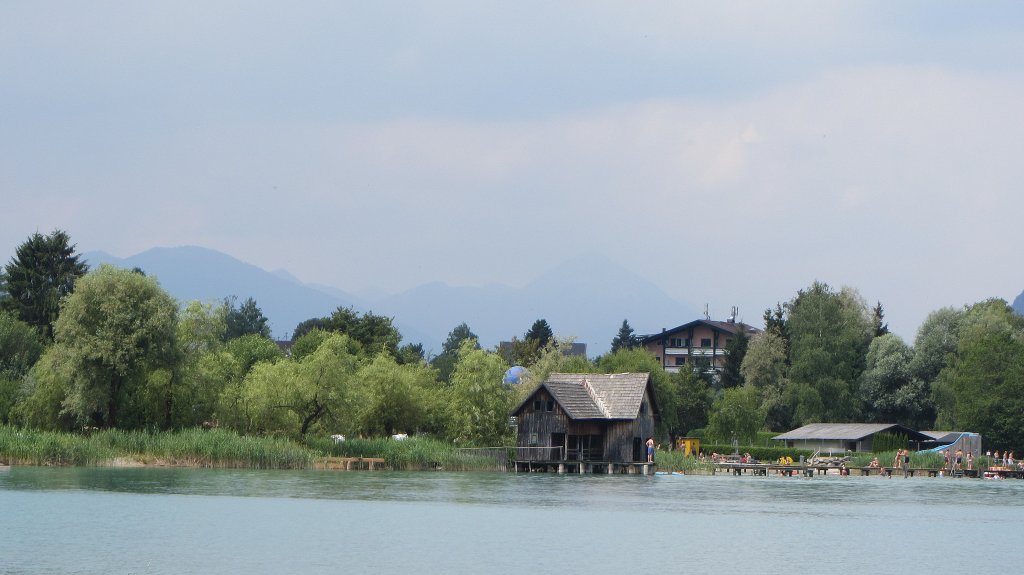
(842, 437)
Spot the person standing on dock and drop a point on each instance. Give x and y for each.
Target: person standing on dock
(970, 460)
(650, 450)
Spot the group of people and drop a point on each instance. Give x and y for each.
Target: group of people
(957, 463)
(902, 459)
(1007, 459)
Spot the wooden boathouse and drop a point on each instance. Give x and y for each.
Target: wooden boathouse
(587, 423)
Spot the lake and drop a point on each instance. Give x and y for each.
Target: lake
(158, 520)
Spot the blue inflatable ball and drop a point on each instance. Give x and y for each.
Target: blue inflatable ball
(514, 375)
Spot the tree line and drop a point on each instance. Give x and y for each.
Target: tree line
(110, 348)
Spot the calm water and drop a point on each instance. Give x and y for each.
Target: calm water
(214, 521)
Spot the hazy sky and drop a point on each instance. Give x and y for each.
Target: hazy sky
(732, 152)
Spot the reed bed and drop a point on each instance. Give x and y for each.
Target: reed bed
(412, 454)
(191, 447)
(676, 461)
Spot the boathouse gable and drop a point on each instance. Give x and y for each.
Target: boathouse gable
(587, 417)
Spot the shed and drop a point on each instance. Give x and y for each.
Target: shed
(587, 417)
(841, 437)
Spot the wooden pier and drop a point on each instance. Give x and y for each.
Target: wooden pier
(765, 469)
(350, 463)
(582, 467)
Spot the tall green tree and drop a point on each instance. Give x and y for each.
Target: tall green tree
(736, 415)
(540, 332)
(115, 329)
(479, 403)
(42, 272)
(982, 389)
(936, 343)
(765, 366)
(829, 333)
(245, 319)
(736, 350)
(444, 362)
(889, 392)
(693, 398)
(878, 324)
(195, 388)
(625, 338)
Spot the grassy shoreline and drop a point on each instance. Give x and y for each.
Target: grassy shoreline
(214, 448)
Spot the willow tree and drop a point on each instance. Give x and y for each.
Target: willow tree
(116, 329)
(294, 396)
(479, 402)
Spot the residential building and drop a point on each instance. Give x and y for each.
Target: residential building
(700, 344)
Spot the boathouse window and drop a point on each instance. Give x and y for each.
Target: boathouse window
(550, 406)
(536, 405)
(680, 361)
(533, 439)
(705, 342)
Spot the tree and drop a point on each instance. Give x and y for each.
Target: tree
(735, 350)
(540, 332)
(292, 397)
(878, 324)
(479, 403)
(20, 348)
(625, 338)
(194, 387)
(765, 367)
(552, 359)
(42, 272)
(114, 330)
(775, 321)
(936, 343)
(983, 387)
(736, 416)
(396, 398)
(693, 399)
(889, 392)
(829, 334)
(246, 319)
(375, 333)
(444, 362)
(46, 391)
(411, 354)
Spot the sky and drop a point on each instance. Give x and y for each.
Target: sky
(731, 152)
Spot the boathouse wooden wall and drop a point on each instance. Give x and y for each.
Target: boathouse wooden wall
(541, 418)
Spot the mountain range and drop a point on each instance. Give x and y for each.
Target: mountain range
(586, 297)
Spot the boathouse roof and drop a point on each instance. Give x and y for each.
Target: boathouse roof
(596, 395)
(848, 431)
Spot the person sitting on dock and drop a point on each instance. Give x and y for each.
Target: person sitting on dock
(874, 463)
